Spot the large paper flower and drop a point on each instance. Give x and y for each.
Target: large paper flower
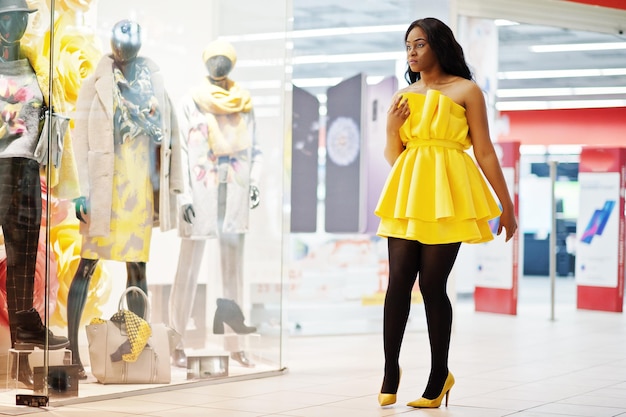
(76, 56)
(66, 242)
(81, 6)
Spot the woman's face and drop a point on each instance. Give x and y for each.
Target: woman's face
(419, 56)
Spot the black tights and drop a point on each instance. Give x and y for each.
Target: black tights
(77, 296)
(407, 258)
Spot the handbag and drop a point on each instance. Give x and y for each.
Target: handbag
(57, 124)
(127, 349)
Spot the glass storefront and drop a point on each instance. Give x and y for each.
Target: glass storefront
(142, 159)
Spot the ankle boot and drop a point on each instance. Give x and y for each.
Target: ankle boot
(229, 312)
(21, 372)
(31, 333)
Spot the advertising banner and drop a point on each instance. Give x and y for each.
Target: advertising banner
(600, 230)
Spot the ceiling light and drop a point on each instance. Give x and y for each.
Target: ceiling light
(504, 22)
(314, 33)
(526, 75)
(603, 46)
(331, 81)
(568, 91)
(335, 59)
(558, 104)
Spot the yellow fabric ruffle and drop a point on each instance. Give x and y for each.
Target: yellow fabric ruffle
(435, 193)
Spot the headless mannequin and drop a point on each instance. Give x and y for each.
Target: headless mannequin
(20, 198)
(231, 255)
(125, 45)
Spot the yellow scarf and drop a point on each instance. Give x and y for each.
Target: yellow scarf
(222, 108)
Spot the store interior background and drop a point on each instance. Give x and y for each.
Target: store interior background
(553, 102)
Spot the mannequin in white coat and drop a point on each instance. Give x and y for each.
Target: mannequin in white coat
(217, 127)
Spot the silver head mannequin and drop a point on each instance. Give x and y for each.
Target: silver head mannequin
(12, 28)
(125, 45)
(219, 67)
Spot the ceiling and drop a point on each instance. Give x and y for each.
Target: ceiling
(380, 53)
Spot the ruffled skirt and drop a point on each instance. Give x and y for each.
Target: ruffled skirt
(436, 195)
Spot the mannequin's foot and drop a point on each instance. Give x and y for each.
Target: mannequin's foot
(22, 372)
(242, 359)
(179, 358)
(82, 375)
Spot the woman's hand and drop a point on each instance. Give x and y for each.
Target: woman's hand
(398, 113)
(396, 116)
(508, 222)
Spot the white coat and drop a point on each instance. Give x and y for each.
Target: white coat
(94, 149)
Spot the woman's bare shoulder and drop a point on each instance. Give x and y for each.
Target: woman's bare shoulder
(463, 91)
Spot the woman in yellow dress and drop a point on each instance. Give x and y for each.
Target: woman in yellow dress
(435, 196)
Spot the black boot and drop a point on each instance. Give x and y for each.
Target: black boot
(229, 312)
(20, 370)
(31, 333)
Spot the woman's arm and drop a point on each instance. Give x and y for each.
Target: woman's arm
(396, 115)
(476, 113)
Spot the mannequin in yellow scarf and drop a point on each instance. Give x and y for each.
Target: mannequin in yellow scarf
(218, 140)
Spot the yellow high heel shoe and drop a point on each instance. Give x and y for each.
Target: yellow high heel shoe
(388, 399)
(426, 403)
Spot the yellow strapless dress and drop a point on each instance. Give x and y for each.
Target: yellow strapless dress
(435, 193)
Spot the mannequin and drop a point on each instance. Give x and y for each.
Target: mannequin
(217, 126)
(124, 120)
(20, 189)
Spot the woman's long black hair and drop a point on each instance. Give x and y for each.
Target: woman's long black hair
(447, 50)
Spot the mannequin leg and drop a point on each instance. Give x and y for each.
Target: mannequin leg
(21, 220)
(231, 262)
(21, 190)
(76, 299)
(183, 292)
(19, 287)
(136, 276)
(185, 283)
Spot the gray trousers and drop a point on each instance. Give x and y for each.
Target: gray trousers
(189, 261)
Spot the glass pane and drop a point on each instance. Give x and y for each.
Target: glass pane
(168, 180)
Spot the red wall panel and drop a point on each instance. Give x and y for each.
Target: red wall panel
(616, 4)
(600, 127)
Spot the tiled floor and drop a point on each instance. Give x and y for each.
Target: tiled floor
(524, 366)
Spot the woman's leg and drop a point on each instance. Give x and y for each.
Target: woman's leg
(404, 258)
(436, 263)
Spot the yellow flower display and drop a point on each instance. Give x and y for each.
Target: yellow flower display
(76, 55)
(65, 240)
